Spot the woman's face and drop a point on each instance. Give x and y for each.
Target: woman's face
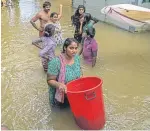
(54, 18)
(81, 11)
(72, 49)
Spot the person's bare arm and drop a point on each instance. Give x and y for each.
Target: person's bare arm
(36, 42)
(81, 50)
(51, 80)
(81, 25)
(94, 55)
(82, 42)
(93, 61)
(34, 19)
(60, 12)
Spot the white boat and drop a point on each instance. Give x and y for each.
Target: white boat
(129, 17)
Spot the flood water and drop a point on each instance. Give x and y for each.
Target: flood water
(123, 63)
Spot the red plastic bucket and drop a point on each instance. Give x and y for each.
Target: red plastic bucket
(86, 101)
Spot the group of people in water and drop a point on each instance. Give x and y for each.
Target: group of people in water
(65, 67)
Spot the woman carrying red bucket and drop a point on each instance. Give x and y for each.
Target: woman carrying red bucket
(84, 95)
(62, 70)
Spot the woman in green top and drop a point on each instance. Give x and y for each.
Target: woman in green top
(62, 70)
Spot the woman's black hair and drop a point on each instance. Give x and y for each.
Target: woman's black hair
(77, 11)
(87, 17)
(46, 3)
(75, 18)
(52, 14)
(49, 30)
(68, 42)
(91, 32)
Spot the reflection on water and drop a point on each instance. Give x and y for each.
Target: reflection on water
(123, 64)
(11, 12)
(28, 8)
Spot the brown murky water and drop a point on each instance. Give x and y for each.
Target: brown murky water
(123, 64)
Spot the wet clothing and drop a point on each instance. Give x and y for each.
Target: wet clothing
(76, 22)
(48, 51)
(45, 64)
(72, 72)
(88, 26)
(77, 36)
(58, 36)
(89, 47)
(58, 33)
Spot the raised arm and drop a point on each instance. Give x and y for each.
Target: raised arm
(60, 12)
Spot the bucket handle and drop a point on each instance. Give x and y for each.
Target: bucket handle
(90, 96)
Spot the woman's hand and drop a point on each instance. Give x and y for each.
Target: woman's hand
(62, 87)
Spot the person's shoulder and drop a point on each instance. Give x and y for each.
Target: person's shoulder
(52, 40)
(40, 13)
(54, 66)
(94, 40)
(55, 61)
(77, 57)
(91, 23)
